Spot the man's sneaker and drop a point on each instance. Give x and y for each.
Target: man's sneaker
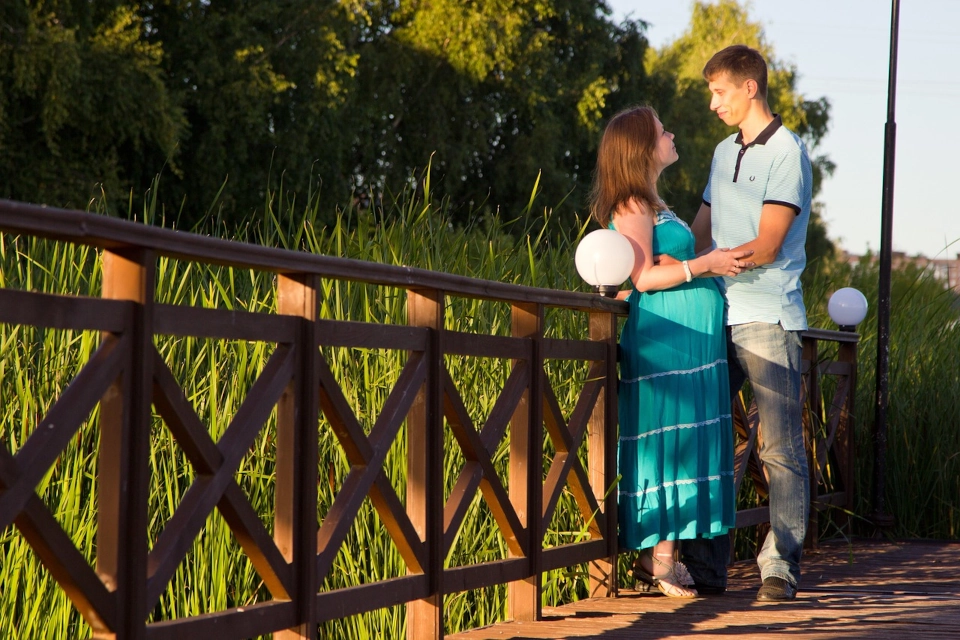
(776, 590)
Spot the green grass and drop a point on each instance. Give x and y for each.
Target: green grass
(923, 442)
(215, 374)
(35, 366)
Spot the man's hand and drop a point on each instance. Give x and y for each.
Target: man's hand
(775, 222)
(720, 262)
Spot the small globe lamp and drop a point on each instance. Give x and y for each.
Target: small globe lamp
(604, 260)
(847, 307)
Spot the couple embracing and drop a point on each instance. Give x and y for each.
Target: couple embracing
(711, 305)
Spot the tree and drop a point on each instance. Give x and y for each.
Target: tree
(499, 95)
(262, 84)
(82, 102)
(677, 70)
(231, 99)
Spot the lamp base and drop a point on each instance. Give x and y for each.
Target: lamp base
(883, 521)
(607, 290)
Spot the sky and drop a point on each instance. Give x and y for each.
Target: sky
(841, 49)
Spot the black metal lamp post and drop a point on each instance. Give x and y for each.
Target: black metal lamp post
(880, 517)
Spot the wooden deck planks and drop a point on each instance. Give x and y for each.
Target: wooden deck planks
(862, 589)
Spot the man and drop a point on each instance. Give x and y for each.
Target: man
(758, 197)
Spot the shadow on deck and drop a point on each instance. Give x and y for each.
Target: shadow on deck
(861, 589)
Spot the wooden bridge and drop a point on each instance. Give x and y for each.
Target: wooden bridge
(551, 452)
(859, 588)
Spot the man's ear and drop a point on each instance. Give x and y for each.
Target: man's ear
(751, 87)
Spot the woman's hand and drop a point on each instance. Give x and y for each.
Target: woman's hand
(724, 262)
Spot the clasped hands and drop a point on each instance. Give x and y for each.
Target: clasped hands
(719, 262)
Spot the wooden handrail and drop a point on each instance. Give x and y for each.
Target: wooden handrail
(126, 375)
(104, 232)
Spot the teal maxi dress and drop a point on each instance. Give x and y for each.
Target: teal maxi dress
(676, 435)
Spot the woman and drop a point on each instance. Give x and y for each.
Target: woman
(676, 436)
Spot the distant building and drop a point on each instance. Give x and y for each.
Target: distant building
(945, 269)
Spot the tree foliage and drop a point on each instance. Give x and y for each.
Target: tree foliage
(502, 94)
(262, 84)
(231, 99)
(83, 101)
(677, 69)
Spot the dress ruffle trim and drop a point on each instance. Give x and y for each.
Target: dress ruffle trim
(675, 483)
(677, 372)
(674, 427)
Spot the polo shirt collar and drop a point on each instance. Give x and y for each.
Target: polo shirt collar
(766, 134)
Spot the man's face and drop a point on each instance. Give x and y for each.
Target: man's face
(731, 102)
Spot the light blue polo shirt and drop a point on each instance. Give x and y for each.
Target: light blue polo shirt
(773, 169)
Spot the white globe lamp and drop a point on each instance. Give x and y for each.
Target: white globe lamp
(604, 260)
(847, 307)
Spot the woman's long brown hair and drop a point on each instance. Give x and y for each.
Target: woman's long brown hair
(626, 164)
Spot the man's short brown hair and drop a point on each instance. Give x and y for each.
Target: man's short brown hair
(740, 63)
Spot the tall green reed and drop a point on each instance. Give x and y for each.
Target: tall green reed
(923, 442)
(415, 231)
(216, 374)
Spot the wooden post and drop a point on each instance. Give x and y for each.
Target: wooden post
(526, 466)
(124, 448)
(846, 431)
(602, 451)
(813, 413)
(295, 525)
(425, 467)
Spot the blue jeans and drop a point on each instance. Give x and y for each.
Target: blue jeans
(769, 356)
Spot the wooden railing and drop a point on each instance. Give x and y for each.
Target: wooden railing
(128, 379)
(829, 390)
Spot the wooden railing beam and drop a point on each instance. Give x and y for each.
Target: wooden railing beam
(125, 417)
(425, 466)
(526, 466)
(113, 234)
(295, 520)
(471, 475)
(602, 436)
(845, 437)
(812, 412)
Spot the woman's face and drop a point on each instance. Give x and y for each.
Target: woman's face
(666, 151)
